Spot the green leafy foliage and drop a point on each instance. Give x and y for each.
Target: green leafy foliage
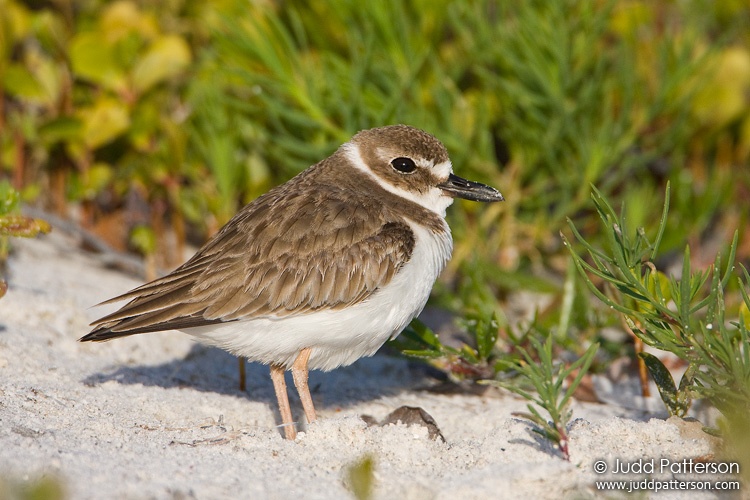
(197, 107)
(554, 385)
(91, 96)
(12, 224)
(467, 362)
(686, 316)
(688, 321)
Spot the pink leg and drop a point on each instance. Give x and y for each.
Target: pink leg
(279, 385)
(299, 373)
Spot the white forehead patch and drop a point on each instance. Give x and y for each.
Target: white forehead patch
(434, 199)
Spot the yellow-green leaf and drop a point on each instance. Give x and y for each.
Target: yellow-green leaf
(93, 59)
(745, 314)
(9, 198)
(22, 84)
(123, 18)
(103, 122)
(48, 73)
(62, 129)
(15, 24)
(724, 96)
(630, 17)
(97, 178)
(165, 58)
(660, 280)
(143, 238)
(361, 478)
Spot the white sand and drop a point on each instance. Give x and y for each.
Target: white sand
(158, 416)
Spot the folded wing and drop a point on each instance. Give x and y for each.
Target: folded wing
(329, 256)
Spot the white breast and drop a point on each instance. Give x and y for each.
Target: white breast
(340, 337)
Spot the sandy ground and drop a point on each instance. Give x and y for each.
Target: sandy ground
(159, 416)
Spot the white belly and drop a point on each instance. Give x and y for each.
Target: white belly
(340, 337)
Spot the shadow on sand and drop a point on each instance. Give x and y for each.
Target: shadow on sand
(214, 370)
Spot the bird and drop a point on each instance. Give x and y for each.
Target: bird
(319, 271)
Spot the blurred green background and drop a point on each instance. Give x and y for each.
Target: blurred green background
(151, 123)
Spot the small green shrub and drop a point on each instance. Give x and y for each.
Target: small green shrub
(13, 224)
(685, 316)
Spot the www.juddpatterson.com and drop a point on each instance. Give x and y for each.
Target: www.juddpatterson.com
(666, 466)
(671, 484)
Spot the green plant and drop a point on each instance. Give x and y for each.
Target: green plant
(177, 113)
(484, 361)
(677, 399)
(467, 362)
(548, 379)
(685, 316)
(92, 97)
(549, 85)
(13, 224)
(360, 478)
(48, 487)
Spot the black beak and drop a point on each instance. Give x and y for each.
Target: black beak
(461, 188)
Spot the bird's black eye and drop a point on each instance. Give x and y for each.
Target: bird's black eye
(405, 165)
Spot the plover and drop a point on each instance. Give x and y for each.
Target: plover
(319, 271)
